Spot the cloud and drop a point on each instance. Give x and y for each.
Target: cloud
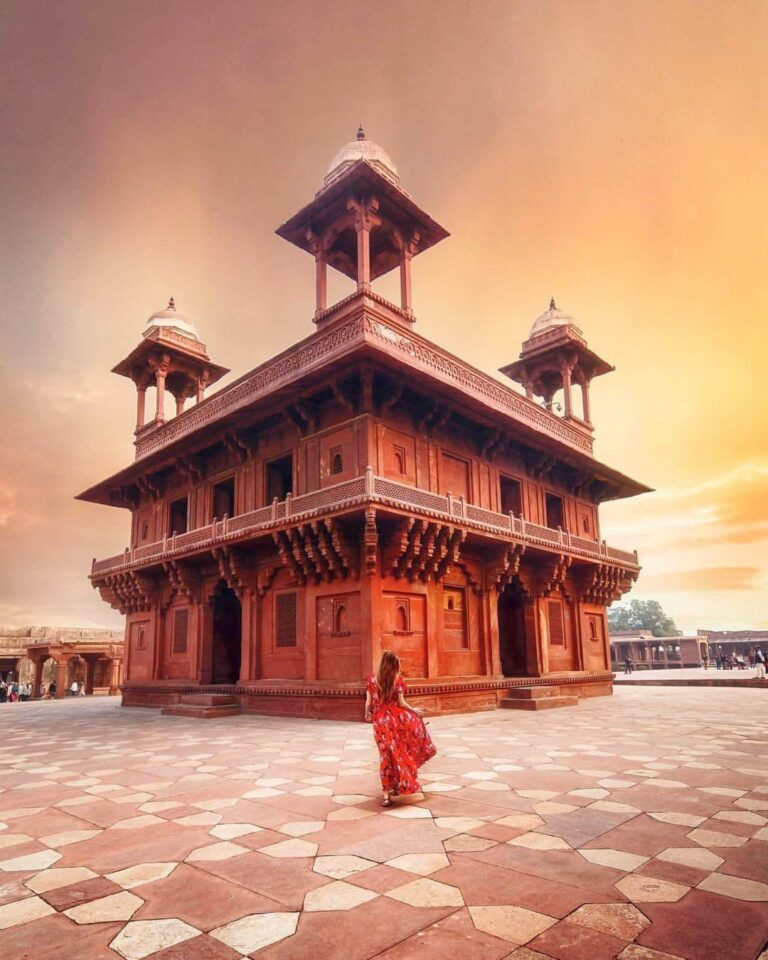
(708, 579)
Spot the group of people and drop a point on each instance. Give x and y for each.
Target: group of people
(12, 691)
(756, 659)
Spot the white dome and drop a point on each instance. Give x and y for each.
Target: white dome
(554, 317)
(171, 320)
(362, 148)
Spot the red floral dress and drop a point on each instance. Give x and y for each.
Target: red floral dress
(402, 738)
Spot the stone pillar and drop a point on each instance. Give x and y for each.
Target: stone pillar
(160, 409)
(179, 404)
(365, 220)
(566, 372)
(405, 282)
(205, 640)
(249, 607)
(116, 679)
(38, 678)
(585, 401)
(90, 669)
(321, 284)
(141, 396)
(363, 257)
(62, 677)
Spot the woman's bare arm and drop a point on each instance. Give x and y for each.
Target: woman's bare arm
(367, 704)
(404, 703)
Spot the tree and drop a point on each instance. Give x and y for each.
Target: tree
(642, 615)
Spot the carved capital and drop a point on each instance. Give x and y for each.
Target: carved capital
(364, 213)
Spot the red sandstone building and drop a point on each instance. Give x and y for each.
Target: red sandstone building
(364, 490)
(656, 653)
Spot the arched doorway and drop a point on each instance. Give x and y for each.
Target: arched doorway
(513, 647)
(227, 628)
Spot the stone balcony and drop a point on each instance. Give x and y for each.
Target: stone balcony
(354, 496)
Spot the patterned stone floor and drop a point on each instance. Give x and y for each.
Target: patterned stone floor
(634, 826)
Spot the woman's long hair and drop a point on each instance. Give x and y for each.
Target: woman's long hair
(386, 675)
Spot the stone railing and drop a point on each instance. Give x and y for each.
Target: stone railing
(374, 329)
(361, 491)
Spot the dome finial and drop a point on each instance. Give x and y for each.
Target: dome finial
(171, 304)
(360, 133)
(552, 304)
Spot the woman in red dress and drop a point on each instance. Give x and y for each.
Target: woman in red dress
(400, 734)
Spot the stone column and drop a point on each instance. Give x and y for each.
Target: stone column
(321, 283)
(62, 677)
(38, 679)
(90, 667)
(365, 220)
(565, 370)
(141, 396)
(160, 409)
(585, 401)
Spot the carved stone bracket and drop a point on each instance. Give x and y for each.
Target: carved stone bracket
(302, 415)
(317, 551)
(235, 568)
(264, 578)
(127, 592)
(150, 486)
(191, 468)
(432, 415)
(474, 584)
(240, 445)
(125, 497)
(183, 578)
(507, 566)
(605, 583)
(392, 396)
(490, 443)
(423, 549)
(343, 397)
(539, 464)
(370, 541)
(555, 576)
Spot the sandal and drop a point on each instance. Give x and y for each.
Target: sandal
(386, 802)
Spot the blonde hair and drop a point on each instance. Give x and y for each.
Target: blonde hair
(387, 674)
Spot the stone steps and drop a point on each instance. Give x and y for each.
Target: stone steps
(204, 706)
(537, 698)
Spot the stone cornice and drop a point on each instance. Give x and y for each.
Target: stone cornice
(367, 328)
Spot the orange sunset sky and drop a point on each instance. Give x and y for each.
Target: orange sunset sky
(608, 152)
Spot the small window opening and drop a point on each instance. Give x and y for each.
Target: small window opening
(337, 461)
(511, 495)
(340, 619)
(554, 511)
(399, 458)
(178, 516)
(280, 478)
(224, 499)
(402, 618)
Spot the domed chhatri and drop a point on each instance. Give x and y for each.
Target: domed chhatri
(362, 223)
(361, 148)
(551, 318)
(169, 319)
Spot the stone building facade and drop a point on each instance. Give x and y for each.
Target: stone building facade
(365, 490)
(40, 655)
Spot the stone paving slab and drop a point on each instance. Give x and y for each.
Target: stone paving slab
(634, 826)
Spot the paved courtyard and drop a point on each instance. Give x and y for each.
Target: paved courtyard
(633, 826)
